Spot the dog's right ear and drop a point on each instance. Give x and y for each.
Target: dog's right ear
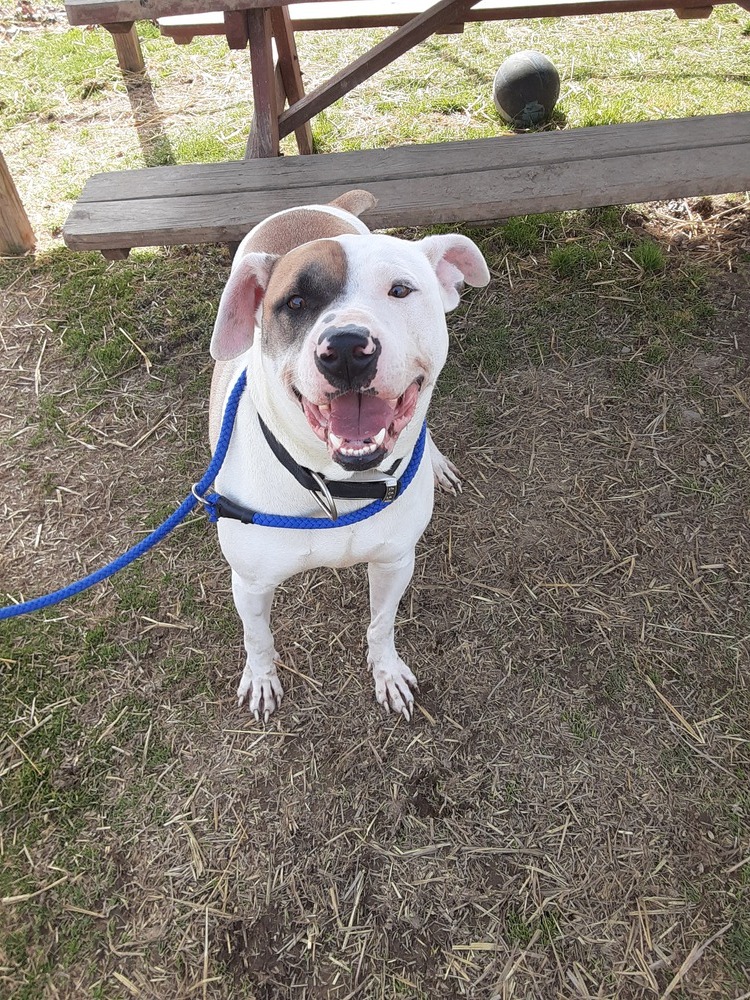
(239, 308)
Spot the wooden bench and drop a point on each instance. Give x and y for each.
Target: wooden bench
(469, 181)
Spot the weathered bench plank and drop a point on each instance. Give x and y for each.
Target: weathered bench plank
(468, 181)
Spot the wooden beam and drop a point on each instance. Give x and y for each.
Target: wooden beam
(235, 28)
(291, 75)
(396, 44)
(264, 132)
(127, 46)
(16, 234)
(327, 15)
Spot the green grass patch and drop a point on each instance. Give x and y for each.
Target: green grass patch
(573, 259)
(649, 256)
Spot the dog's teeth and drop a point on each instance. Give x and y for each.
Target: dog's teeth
(335, 440)
(325, 409)
(379, 437)
(366, 449)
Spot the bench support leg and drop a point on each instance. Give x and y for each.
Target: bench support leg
(264, 132)
(291, 75)
(16, 234)
(127, 46)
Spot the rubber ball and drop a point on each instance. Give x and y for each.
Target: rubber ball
(526, 89)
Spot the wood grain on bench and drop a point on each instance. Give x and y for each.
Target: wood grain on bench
(469, 181)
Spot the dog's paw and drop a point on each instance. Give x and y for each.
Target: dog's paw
(445, 472)
(393, 687)
(262, 692)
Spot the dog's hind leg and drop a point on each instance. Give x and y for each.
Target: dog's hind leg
(393, 679)
(260, 685)
(445, 472)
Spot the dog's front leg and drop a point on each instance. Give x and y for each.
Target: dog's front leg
(260, 683)
(393, 679)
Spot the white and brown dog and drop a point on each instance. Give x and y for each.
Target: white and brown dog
(342, 334)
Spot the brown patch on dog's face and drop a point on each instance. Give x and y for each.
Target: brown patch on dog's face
(284, 233)
(303, 284)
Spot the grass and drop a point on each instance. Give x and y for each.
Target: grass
(568, 814)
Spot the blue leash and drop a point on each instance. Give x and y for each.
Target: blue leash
(191, 501)
(188, 504)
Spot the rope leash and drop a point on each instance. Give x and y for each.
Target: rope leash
(209, 501)
(188, 504)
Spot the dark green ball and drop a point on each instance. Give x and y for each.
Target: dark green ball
(526, 89)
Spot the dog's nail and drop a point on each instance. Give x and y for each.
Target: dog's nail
(266, 717)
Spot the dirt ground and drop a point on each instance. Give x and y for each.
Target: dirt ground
(567, 815)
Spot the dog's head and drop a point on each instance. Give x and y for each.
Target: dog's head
(351, 327)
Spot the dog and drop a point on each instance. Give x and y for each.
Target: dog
(342, 335)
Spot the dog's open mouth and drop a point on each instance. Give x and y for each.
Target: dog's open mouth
(361, 429)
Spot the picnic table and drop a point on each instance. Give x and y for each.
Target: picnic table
(472, 181)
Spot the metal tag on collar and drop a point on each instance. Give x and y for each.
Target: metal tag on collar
(326, 502)
(391, 489)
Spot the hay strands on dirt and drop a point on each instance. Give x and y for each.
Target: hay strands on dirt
(693, 732)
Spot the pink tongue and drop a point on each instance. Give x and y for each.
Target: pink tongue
(356, 417)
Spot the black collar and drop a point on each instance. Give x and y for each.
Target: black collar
(374, 489)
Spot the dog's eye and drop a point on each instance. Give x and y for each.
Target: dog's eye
(296, 302)
(400, 291)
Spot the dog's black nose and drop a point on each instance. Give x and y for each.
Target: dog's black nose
(347, 356)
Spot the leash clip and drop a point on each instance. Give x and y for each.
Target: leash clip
(326, 502)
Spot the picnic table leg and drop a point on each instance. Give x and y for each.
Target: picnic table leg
(264, 132)
(127, 46)
(291, 74)
(16, 234)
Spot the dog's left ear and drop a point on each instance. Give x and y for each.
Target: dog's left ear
(356, 202)
(240, 305)
(456, 260)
